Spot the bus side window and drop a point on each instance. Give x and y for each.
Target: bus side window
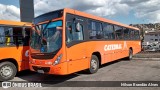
(95, 30)
(126, 34)
(2, 36)
(92, 29)
(137, 35)
(99, 30)
(108, 32)
(118, 32)
(132, 36)
(8, 36)
(17, 36)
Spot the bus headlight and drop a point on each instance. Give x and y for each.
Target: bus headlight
(48, 63)
(32, 61)
(57, 60)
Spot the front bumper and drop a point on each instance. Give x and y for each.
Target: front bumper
(59, 69)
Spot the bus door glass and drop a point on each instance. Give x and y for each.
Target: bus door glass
(2, 36)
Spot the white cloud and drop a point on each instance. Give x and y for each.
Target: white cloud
(43, 6)
(9, 12)
(110, 8)
(143, 9)
(97, 7)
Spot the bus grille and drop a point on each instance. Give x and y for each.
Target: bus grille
(45, 56)
(45, 69)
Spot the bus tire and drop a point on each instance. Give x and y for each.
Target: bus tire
(7, 71)
(130, 54)
(94, 65)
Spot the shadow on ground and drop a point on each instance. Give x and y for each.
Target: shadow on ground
(54, 79)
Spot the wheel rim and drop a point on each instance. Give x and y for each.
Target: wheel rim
(94, 64)
(6, 71)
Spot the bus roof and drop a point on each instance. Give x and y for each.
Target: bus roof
(76, 12)
(14, 23)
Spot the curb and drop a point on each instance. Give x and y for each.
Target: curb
(148, 58)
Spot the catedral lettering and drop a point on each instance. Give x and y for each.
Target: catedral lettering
(112, 47)
(66, 41)
(14, 46)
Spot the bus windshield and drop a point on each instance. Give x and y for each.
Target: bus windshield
(46, 38)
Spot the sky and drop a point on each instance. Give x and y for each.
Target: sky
(124, 11)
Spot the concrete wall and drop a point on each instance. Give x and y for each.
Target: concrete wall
(26, 10)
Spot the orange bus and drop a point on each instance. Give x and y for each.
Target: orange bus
(67, 41)
(14, 48)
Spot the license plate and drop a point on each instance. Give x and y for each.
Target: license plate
(40, 71)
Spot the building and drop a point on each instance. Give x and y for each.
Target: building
(151, 37)
(151, 41)
(146, 28)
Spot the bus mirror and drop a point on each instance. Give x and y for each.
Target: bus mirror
(78, 27)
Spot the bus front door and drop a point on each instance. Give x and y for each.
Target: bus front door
(76, 47)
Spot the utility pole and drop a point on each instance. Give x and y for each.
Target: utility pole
(26, 10)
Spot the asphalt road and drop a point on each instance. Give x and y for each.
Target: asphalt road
(121, 70)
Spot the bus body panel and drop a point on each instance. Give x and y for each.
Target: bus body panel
(60, 69)
(42, 64)
(20, 54)
(77, 56)
(99, 46)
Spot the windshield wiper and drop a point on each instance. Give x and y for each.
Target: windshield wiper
(46, 27)
(42, 33)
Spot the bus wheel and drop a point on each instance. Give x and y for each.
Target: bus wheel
(7, 71)
(130, 54)
(94, 64)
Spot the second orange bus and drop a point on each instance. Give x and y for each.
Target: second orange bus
(14, 48)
